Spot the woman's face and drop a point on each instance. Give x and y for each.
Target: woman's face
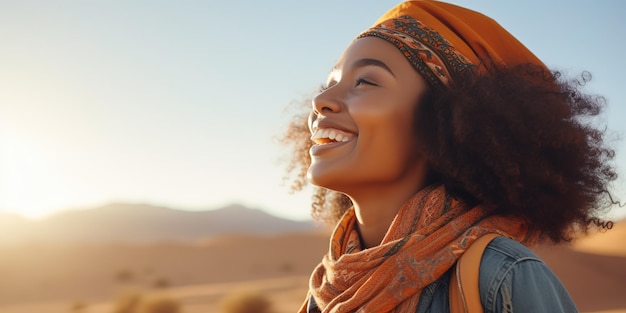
(362, 123)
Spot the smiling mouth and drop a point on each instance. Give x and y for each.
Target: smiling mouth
(322, 136)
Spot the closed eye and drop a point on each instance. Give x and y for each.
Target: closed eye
(362, 81)
(357, 83)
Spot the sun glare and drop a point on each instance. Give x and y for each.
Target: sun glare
(31, 182)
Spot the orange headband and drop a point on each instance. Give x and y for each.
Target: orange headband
(442, 40)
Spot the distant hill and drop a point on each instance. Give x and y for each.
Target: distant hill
(142, 223)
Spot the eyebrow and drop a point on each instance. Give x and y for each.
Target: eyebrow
(370, 62)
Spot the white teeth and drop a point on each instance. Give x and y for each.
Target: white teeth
(332, 134)
(342, 138)
(325, 133)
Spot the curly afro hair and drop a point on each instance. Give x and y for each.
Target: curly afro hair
(520, 140)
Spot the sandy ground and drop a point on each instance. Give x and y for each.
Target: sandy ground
(286, 295)
(41, 279)
(89, 279)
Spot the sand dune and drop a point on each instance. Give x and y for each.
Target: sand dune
(592, 268)
(286, 294)
(42, 279)
(52, 279)
(611, 242)
(595, 282)
(36, 273)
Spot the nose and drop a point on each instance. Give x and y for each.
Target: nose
(326, 102)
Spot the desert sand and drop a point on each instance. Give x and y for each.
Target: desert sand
(89, 278)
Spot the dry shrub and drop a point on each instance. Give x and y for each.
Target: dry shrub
(127, 302)
(78, 306)
(159, 305)
(134, 302)
(287, 267)
(124, 275)
(247, 302)
(161, 282)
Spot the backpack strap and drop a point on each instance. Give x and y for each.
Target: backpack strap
(464, 294)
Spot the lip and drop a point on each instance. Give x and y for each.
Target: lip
(318, 149)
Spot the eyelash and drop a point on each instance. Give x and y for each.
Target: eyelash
(362, 81)
(357, 83)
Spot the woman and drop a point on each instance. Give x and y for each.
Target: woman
(435, 127)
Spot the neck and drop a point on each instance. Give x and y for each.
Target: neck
(376, 209)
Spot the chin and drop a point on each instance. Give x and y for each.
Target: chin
(321, 179)
(315, 180)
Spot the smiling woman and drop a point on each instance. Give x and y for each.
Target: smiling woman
(436, 127)
(371, 95)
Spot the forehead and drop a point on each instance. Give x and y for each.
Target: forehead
(370, 48)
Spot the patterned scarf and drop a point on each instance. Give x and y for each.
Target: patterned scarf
(429, 233)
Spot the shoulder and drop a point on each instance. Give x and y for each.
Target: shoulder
(502, 258)
(512, 279)
(511, 274)
(507, 250)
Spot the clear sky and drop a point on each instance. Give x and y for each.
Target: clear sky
(179, 103)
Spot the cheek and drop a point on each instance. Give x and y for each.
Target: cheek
(400, 135)
(399, 142)
(391, 141)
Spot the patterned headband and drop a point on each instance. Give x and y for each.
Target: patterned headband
(442, 41)
(429, 53)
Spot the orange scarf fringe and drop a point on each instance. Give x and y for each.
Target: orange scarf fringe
(429, 233)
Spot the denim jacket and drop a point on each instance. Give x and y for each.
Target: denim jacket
(512, 279)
